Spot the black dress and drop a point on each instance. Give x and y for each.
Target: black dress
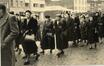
(48, 36)
(29, 46)
(61, 34)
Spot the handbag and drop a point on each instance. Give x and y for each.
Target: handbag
(30, 37)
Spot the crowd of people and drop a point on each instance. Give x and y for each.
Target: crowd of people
(66, 27)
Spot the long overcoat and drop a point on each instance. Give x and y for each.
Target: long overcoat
(29, 28)
(76, 29)
(8, 32)
(100, 26)
(69, 22)
(48, 36)
(91, 32)
(61, 34)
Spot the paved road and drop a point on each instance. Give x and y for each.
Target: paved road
(73, 56)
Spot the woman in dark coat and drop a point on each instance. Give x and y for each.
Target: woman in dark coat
(29, 45)
(100, 28)
(76, 30)
(83, 29)
(61, 35)
(92, 33)
(48, 35)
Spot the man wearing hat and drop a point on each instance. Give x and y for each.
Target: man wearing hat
(8, 32)
(60, 31)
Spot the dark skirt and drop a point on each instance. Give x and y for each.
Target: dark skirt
(93, 38)
(61, 41)
(29, 46)
(70, 34)
(48, 42)
(76, 34)
(101, 32)
(84, 35)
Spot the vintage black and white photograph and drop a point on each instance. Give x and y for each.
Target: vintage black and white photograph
(51, 32)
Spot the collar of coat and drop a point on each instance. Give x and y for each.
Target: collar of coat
(3, 20)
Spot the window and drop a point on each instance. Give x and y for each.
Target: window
(12, 3)
(27, 4)
(21, 3)
(35, 5)
(41, 5)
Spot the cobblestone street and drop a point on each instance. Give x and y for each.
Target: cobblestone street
(73, 56)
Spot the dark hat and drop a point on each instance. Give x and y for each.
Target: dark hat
(47, 16)
(17, 14)
(11, 12)
(28, 11)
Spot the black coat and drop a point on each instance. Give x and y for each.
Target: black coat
(76, 29)
(61, 34)
(48, 36)
(100, 26)
(83, 29)
(18, 39)
(91, 32)
(69, 23)
(30, 46)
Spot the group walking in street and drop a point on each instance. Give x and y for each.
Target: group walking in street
(53, 33)
(57, 33)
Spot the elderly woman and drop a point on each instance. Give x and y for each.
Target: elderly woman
(48, 35)
(29, 29)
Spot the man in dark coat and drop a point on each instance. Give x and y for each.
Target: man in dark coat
(69, 22)
(18, 39)
(48, 35)
(61, 34)
(8, 32)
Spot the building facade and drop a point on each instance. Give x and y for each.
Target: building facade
(76, 5)
(95, 5)
(80, 6)
(65, 3)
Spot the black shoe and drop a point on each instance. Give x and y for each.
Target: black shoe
(37, 56)
(50, 51)
(20, 50)
(58, 55)
(90, 48)
(42, 52)
(27, 63)
(95, 46)
(16, 50)
(24, 57)
(62, 53)
(15, 60)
